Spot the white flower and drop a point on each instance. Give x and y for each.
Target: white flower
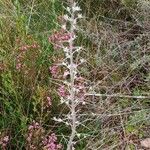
(67, 123)
(69, 97)
(63, 27)
(64, 64)
(78, 49)
(6, 138)
(54, 118)
(67, 102)
(78, 135)
(68, 9)
(66, 49)
(74, 21)
(75, 73)
(66, 17)
(66, 83)
(82, 60)
(80, 16)
(77, 122)
(66, 73)
(76, 8)
(67, 55)
(85, 136)
(62, 100)
(83, 103)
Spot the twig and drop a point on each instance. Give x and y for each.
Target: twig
(118, 95)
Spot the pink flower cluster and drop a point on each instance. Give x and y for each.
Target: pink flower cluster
(50, 143)
(80, 88)
(48, 102)
(36, 138)
(62, 91)
(23, 50)
(18, 62)
(34, 126)
(54, 71)
(58, 38)
(26, 47)
(33, 129)
(4, 141)
(79, 84)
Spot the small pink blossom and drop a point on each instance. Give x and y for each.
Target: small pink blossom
(6, 139)
(18, 66)
(58, 38)
(54, 71)
(65, 37)
(30, 127)
(66, 73)
(49, 102)
(33, 127)
(33, 147)
(61, 91)
(23, 48)
(34, 45)
(80, 79)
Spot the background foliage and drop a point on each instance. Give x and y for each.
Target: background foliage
(115, 34)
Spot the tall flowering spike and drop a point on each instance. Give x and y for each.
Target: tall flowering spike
(72, 91)
(76, 92)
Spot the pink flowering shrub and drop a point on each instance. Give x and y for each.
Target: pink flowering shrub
(38, 139)
(24, 51)
(50, 142)
(26, 55)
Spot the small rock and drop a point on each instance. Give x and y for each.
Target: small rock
(146, 143)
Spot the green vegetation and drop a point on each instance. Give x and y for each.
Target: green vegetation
(115, 35)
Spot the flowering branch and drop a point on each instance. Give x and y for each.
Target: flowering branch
(72, 92)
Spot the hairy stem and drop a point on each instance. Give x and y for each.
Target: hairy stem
(72, 92)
